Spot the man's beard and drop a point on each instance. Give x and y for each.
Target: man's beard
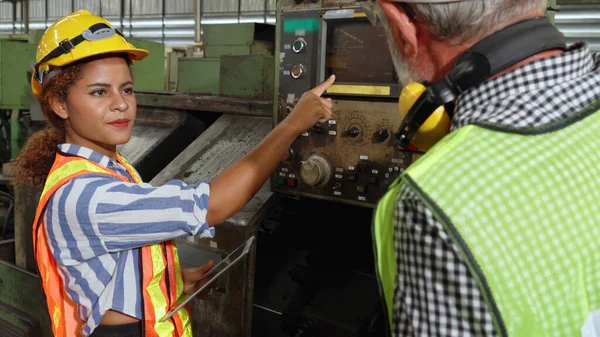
(405, 75)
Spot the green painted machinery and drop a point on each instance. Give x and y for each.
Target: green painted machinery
(238, 61)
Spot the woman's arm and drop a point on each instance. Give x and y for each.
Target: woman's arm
(251, 172)
(94, 214)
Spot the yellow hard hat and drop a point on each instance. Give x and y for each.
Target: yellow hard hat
(74, 37)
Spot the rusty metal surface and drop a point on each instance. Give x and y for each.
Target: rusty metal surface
(224, 142)
(26, 200)
(206, 103)
(152, 126)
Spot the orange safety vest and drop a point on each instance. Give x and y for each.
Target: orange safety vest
(160, 268)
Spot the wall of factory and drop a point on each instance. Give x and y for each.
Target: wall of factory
(172, 21)
(167, 21)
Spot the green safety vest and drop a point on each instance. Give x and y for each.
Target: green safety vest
(523, 208)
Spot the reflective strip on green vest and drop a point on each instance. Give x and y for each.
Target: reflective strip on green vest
(523, 207)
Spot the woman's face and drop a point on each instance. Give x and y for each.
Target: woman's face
(100, 107)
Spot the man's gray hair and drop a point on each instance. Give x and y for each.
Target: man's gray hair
(464, 21)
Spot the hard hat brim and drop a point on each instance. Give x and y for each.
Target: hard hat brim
(135, 54)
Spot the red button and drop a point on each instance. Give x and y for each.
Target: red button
(292, 182)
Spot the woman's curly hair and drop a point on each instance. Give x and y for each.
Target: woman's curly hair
(37, 156)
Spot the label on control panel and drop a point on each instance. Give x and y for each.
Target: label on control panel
(361, 198)
(339, 14)
(284, 169)
(338, 193)
(281, 174)
(396, 161)
(292, 176)
(287, 46)
(290, 98)
(339, 176)
(375, 171)
(300, 32)
(363, 157)
(332, 122)
(339, 169)
(287, 72)
(351, 168)
(332, 133)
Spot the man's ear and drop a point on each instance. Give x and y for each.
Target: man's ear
(403, 27)
(59, 106)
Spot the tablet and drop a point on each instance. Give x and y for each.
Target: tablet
(211, 276)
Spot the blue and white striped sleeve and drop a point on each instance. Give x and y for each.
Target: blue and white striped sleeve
(103, 214)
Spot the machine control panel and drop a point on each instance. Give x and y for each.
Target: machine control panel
(353, 157)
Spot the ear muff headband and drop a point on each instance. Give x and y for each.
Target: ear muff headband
(490, 56)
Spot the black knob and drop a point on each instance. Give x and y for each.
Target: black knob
(382, 135)
(290, 155)
(353, 132)
(318, 129)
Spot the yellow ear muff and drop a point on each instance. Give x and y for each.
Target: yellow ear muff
(435, 127)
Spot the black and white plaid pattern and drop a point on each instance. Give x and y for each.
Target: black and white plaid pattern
(435, 294)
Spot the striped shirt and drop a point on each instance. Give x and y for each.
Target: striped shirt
(97, 223)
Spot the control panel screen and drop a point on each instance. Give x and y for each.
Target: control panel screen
(357, 52)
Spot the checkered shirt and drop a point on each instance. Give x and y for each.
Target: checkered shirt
(435, 294)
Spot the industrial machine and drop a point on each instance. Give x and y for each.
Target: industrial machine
(309, 281)
(352, 158)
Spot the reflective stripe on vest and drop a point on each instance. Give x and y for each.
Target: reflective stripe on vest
(163, 296)
(160, 264)
(523, 208)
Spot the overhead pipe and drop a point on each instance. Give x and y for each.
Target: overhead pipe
(197, 27)
(25, 16)
(266, 11)
(14, 17)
